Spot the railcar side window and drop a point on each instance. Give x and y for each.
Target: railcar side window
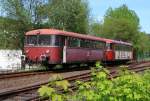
(79, 40)
(83, 43)
(123, 47)
(129, 48)
(100, 45)
(73, 42)
(87, 44)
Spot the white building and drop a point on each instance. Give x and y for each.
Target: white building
(10, 59)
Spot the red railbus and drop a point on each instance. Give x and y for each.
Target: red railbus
(54, 46)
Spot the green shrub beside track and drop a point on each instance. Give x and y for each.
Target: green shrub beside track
(129, 86)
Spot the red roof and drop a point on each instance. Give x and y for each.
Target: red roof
(72, 34)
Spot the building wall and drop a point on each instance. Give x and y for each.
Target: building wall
(10, 59)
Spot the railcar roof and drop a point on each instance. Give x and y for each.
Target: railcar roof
(72, 34)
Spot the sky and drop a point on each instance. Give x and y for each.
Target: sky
(141, 7)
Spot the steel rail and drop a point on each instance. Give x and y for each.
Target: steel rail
(84, 77)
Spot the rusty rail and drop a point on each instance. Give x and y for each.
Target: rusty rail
(85, 77)
(21, 74)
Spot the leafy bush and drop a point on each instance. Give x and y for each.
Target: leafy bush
(49, 91)
(127, 87)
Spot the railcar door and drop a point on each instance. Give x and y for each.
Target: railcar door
(109, 54)
(64, 60)
(72, 52)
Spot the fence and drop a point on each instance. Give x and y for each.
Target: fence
(143, 56)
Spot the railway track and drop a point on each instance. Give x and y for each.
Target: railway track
(15, 80)
(21, 74)
(29, 93)
(21, 79)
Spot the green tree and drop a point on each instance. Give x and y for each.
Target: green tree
(121, 24)
(9, 37)
(70, 15)
(95, 29)
(24, 15)
(16, 22)
(143, 45)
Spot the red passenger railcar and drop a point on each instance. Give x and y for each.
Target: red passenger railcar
(53, 46)
(118, 51)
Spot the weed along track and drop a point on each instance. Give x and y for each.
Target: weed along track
(29, 92)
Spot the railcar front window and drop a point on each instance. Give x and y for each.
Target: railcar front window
(44, 40)
(31, 40)
(50, 40)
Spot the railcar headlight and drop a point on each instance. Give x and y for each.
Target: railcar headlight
(47, 51)
(27, 51)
